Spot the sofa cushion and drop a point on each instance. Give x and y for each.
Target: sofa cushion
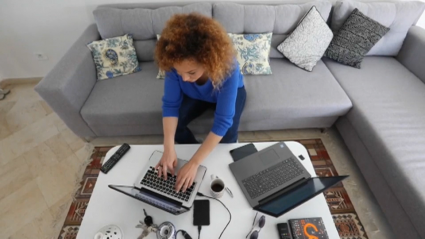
(118, 106)
(279, 19)
(142, 23)
(389, 116)
(398, 16)
(292, 94)
(252, 52)
(355, 38)
(308, 42)
(114, 57)
(287, 99)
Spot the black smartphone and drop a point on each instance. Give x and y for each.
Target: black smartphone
(284, 232)
(242, 152)
(201, 213)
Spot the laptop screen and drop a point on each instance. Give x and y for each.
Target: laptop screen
(296, 196)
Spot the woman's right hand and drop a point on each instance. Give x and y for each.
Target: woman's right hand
(167, 163)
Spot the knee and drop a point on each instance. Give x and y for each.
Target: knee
(182, 122)
(230, 137)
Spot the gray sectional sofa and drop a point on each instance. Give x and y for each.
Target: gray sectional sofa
(378, 109)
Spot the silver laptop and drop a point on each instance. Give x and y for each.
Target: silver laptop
(268, 172)
(161, 193)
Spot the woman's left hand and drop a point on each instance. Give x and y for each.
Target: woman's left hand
(186, 176)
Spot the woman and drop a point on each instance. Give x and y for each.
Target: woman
(202, 73)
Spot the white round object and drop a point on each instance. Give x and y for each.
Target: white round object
(109, 232)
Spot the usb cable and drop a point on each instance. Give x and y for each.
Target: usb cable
(184, 233)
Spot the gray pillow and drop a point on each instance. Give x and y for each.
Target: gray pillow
(307, 43)
(355, 38)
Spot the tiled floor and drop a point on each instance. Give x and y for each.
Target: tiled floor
(40, 159)
(41, 162)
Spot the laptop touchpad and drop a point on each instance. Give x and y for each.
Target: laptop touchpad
(269, 157)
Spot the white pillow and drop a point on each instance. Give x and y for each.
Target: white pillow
(253, 52)
(114, 57)
(308, 42)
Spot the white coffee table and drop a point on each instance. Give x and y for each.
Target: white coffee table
(107, 206)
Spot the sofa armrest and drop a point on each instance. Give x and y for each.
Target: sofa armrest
(412, 53)
(68, 85)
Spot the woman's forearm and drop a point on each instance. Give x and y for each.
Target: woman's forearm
(209, 144)
(169, 126)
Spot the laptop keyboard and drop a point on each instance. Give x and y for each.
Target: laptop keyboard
(152, 180)
(272, 177)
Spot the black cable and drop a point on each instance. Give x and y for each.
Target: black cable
(177, 233)
(199, 231)
(184, 233)
(230, 214)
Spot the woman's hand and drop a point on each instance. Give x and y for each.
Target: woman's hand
(186, 176)
(167, 162)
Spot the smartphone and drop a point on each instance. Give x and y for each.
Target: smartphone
(201, 213)
(284, 232)
(242, 152)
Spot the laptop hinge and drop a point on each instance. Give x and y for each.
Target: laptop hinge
(280, 192)
(162, 197)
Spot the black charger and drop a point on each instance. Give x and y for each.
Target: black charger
(201, 214)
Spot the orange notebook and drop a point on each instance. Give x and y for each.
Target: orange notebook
(308, 228)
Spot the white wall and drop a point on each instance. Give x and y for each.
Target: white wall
(27, 26)
(49, 26)
(421, 21)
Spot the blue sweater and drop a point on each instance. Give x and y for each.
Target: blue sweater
(224, 97)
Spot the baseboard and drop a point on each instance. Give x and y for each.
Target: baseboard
(17, 81)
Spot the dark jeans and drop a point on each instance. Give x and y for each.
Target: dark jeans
(191, 109)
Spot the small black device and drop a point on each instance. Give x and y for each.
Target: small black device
(115, 158)
(283, 230)
(201, 213)
(148, 219)
(242, 152)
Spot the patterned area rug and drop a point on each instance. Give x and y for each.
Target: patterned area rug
(345, 217)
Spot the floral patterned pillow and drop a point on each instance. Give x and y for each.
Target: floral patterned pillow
(114, 57)
(253, 52)
(161, 73)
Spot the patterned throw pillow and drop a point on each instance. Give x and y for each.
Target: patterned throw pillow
(114, 57)
(355, 38)
(253, 52)
(308, 42)
(161, 73)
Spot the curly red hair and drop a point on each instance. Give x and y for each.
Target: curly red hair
(196, 37)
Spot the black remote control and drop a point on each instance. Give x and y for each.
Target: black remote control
(283, 231)
(114, 158)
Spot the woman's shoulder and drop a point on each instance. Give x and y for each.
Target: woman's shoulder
(234, 77)
(235, 71)
(171, 74)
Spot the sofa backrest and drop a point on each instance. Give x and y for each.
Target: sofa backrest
(145, 21)
(398, 16)
(279, 19)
